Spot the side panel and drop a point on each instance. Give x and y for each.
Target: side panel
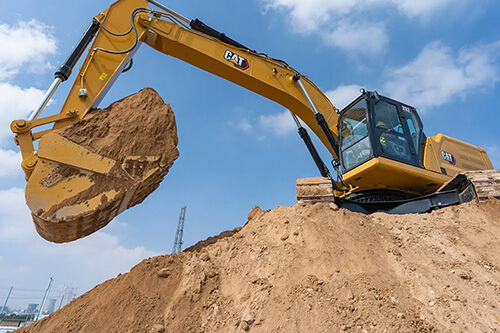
(451, 156)
(383, 173)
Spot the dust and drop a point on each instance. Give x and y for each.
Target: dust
(311, 268)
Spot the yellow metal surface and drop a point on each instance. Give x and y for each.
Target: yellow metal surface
(71, 200)
(56, 148)
(84, 208)
(383, 173)
(47, 186)
(100, 69)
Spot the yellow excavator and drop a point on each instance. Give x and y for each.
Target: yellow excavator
(381, 157)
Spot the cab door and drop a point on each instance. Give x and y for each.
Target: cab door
(413, 126)
(397, 133)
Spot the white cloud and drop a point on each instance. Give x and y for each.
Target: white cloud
(100, 256)
(280, 124)
(15, 103)
(437, 75)
(242, 125)
(25, 44)
(343, 95)
(31, 259)
(10, 163)
(310, 15)
(338, 23)
(14, 216)
(421, 7)
(84, 263)
(364, 38)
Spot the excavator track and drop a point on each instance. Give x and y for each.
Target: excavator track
(477, 185)
(318, 189)
(486, 183)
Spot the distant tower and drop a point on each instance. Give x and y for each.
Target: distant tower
(49, 306)
(180, 230)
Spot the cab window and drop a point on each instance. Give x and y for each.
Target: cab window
(415, 130)
(389, 132)
(355, 146)
(386, 117)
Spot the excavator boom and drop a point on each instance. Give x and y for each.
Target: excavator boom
(73, 190)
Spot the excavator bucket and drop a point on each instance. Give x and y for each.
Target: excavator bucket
(91, 171)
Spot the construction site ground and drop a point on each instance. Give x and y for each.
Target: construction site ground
(311, 268)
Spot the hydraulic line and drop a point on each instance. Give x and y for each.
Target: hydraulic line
(323, 169)
(132, 28)
(168, 10)
(65, 70)
(320, 119)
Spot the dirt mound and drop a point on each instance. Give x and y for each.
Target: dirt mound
(127, 150)
(311, 268)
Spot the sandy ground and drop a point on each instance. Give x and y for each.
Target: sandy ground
(311, 268)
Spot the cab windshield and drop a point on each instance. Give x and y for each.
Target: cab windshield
(355, 145)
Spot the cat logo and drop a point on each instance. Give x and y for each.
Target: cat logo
(238, 61)
(448, 157)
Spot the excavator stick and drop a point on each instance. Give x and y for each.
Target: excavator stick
(94, 164)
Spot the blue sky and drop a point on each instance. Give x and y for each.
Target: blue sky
(237, 148)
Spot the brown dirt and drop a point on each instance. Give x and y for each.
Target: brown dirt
(311, 268)
(138, 125)
(137, 134)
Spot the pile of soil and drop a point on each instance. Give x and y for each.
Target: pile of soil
(311, 268)
(141, 124)
(127, 150)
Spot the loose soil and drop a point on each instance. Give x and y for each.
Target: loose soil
(139, 125)
(311, 268)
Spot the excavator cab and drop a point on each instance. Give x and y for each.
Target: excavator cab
(376, 126)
